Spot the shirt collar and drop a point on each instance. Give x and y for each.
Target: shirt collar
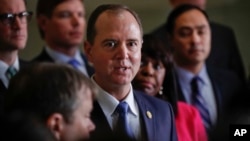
(204, 75)
(109, 103)
(62, 58)
(4, 66)
(187, 76)
(3, 69)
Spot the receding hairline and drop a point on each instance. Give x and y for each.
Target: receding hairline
(118, 12)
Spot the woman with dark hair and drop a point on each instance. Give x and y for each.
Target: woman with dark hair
(151, 79)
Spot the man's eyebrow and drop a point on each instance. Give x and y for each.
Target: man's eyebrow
(197, 27)
(108, 40)
(184, 28)
(133, 40)
(201, 26)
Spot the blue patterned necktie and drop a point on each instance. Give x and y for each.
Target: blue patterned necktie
(11, 71)
(122, 129)
(200, 103)
(74, 63)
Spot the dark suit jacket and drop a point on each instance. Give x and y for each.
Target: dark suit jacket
(44, 57)
(3, 89)
(224, 51)
(226, 85)
(238, 113)
(161, 127)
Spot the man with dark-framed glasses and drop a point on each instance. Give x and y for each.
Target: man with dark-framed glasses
(10, 18)
(13, 37)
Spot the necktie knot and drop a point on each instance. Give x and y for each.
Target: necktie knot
(11, 71)
(122, 108)
(194, 85)
(74, 63)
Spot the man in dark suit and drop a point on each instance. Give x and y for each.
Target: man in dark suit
(13, 37)
(224, 52)
(190, 38)
(114, 40)
(62, 26)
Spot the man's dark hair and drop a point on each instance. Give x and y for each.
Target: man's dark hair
(46, 88)
(46, 8)
(179, 10)
(116, 8)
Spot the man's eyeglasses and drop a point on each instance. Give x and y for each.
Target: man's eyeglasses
(10, 18)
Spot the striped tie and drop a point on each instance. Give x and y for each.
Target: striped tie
(11, 71)
(200, 103)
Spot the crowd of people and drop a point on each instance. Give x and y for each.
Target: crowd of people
(181, 82)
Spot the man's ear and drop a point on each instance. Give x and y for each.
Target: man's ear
(56, 124)
(88, 50)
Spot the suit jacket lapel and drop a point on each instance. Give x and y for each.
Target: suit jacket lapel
(147, 116)
(179, 91)
(103, 131)
(3, 89)
(216, 88)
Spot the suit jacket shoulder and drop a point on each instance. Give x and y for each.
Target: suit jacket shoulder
(220, 27)
(43, 57)
(226, 84)
(225, 52)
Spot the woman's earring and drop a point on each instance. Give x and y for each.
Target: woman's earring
(161, 91)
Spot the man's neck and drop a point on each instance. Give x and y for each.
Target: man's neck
(117, 91)
(194, 68)
(67, 50)
(8, 57)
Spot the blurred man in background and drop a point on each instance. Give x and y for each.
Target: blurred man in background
(224, 49)
(62, 26)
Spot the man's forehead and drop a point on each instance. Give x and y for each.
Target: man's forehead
(10, 5)
(66, 5)
(191, 17)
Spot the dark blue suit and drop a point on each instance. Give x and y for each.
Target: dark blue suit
(161, 127)
(44, 57)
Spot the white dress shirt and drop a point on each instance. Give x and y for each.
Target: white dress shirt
(59, 57)
(109, 103)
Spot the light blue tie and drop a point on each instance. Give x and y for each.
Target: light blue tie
(200, 103)
(123, 130)
(74, 63)
(11, 71)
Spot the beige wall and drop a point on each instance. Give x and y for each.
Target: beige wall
(234, 13)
